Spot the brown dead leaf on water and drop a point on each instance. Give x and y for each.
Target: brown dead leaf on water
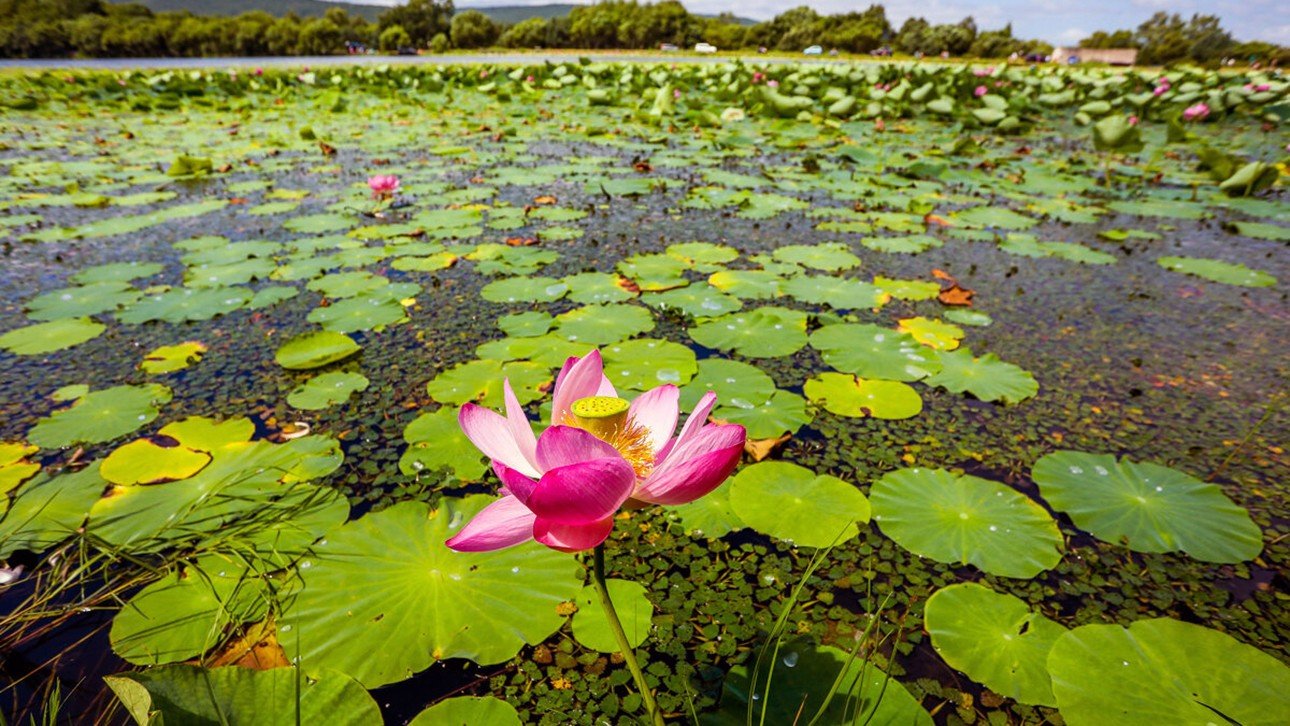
(257, 649)
(521, 241)
(544, 199)
(951, 292)
(759, 449)
(326, 148)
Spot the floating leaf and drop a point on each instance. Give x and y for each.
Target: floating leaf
(327, 389)
(596, 325)
(46, 511)
(994, 638)
(436, 442)
(1148, 507)
(100, 416)
(836, 292)
(784, 413)
(748, 284)
(597, 287)
(827, 257)
(315, 350)
(792, 503)
(766, 332)
(144, 462)
(372, 595)
(874, 352)
(480, 381)
(987, 377)
(698, 301)
(966, 520)
(1165, 671)
(635, 612)
(1228, 273)
(736, 384)
(79, 302)
(525, 289)
(642, 364)
(170, 358)
(466, 710)
(846, 395)
(51, 336)
(710, 516)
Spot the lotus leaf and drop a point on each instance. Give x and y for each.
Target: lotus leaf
(206, 434)
(966, 520)
(987, 377)
(837, 292)
(51, 336)
(994, 638)
(144, 462)
(698, 301)
(372, 597)
(792, 503)
(45, 511)
(827, 257)
(170, 358)
(709, 516)
(528, 324)
(748, 284)
(784, 413)
(1228, 273)
(327, 389)
(186, 304)
(597, 287)
(932, 333)
(596, 325)
(874, 352)
(78, 302)
(480, 381)
(767, 332)
(100, 416)
(525, 289)
(737, 384)
(1165, 671)
(644, 363)
(467, 710)
(846, 395)
(315, 350)
(1148, 507)
(436, 442)
(635, 612)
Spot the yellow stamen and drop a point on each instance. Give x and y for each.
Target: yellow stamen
(606, 417)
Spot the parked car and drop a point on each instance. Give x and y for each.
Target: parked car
(408, 50)
(814, 50)
(705, 48)
(883, 51)
(668, 48)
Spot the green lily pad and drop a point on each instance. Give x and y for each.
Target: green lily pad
(184, 304)
(481, 381)
(826, 257)
(709, 516)
(117, 272)
(1147, 507)
(654, 272)
(185, 614)
(747, 284)
(467, 710)
(908, 289)
(1228, 273)
(736, 384)
(837, 292)
(699, 301)
(315, 350)
(974, 318)
(327, 389)
(792, 503)
(143, 462)
(82, 301)
(364, 312)
(100, 416)
(528, 324)
(911, 244)
(966, 520)
(987, 377)
(846, 395)
(874, 352)
(995, 639)
(46, 511)
(993, 217)
(800, 683)
(436, 442)
(1165, 671)
(235, 696)
(372, 599)
(703, 256)
(525, 289)
(207, 434)
(591, 288)
(642, 364)
(597, 325)
(767, 332)
(635, 612)
(784, 413)
(171, 358)
(51, 336)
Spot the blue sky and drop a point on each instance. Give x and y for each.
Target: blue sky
(1057, 21)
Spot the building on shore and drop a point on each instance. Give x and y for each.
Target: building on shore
(1110, 56)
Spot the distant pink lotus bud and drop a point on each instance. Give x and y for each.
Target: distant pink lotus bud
(259, 71)
(1133, 120)
(773, 83)
(1263, 87)
(1196, 113)
(1160, 90)
(981, 72)
(529, 79)
(383, 186)
(980, 91)
(676, 93)
(483, 73)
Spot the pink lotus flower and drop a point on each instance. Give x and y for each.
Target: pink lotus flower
(773, 83)
(383, 186)
(1196, 113)
(563, 488)
(1263, 87)
(981, 72)
(1133, 120)
(980, 91)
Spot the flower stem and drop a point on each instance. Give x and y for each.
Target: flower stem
(616, 626)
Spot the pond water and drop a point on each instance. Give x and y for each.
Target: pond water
(539, 226)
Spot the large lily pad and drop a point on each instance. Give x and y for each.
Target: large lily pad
(327, 389)
(1165, 671)
(595, 325)
(1228, 273)
(847, 395)
(100, 416)
(987, 377)
(383, 597)
(1148, 507)
(642, 364)
(794, 504)
(51, 336)
(767, 332)
(966, 520)
(481, 381)
(235, 696)
(436, 442)
(315, 350)
(635, 612)
(994, 638)
(871, 351)
(466, 711)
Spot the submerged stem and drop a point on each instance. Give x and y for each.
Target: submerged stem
(616, 626)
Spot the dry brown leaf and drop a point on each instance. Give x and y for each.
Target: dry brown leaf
(956, 296)
(759, 449)
(521, 241)
(544, 199)
(257, 649)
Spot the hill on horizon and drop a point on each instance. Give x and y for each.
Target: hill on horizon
(505, 14)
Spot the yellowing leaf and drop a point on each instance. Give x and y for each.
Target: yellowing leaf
(143, 462)
(170, 358)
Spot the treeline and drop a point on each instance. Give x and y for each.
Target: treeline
(94, 28)
(1166, 38)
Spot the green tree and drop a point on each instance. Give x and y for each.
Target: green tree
(440, 43)
(421, 19)
(283, 37)
(473, 29)
(1114, 39)
(996, 44)
(393, 38)
(528, 33)
(320, 36)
